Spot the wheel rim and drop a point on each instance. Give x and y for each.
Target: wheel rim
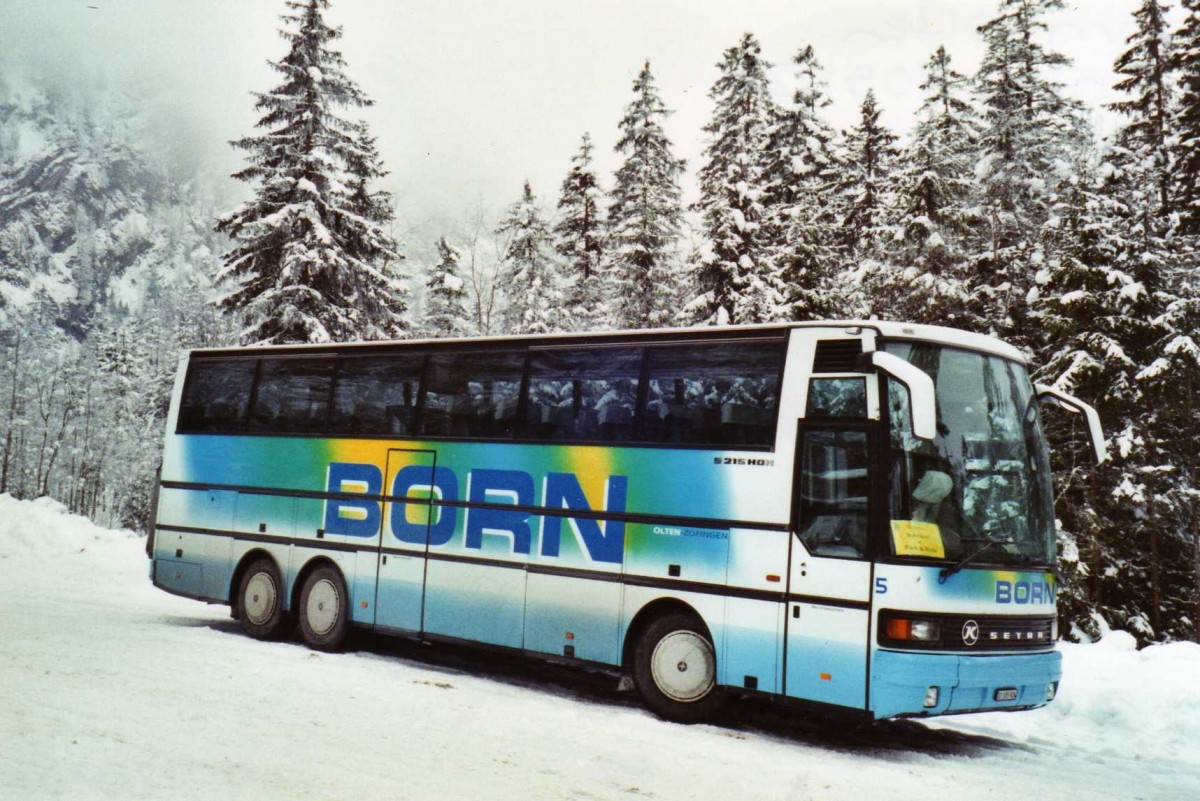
(683, 666)
(259, 601)
(321, 611)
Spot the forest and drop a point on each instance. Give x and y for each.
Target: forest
(1000, 211)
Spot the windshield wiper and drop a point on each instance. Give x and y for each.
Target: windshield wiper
(947, 572)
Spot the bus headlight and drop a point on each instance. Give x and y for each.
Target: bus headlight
(912, 629)
(1054, 629)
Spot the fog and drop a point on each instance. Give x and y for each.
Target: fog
(474, 96)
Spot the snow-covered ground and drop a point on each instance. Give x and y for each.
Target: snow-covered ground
(112, 689)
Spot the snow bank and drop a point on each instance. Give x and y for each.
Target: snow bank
(44, 528)
(1113, 700)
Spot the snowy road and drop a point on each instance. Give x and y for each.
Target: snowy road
(111, 689)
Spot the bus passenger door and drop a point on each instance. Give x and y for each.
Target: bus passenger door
(828, 617)
(408, 515)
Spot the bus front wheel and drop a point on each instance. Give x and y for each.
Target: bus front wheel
(260, 600)
(324, 610)
(675, 669)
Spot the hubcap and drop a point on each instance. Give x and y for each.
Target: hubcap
(683, 666)
(259, 603)
(321, 610)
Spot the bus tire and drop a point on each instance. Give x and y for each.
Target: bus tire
(324, 609)
(675, 669)
(260, 600)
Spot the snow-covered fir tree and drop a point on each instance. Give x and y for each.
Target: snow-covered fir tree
(645, 215)
(934, 182)
(579, 241)
(311, 262)
(864, 195)
(1030, 130)
(529, 274)
(445, 312)
(865, 181)
(1175, 376)
(1094, 304)
(739, 279)
(1104, 303)
(369, 207)
(1186, 64)
(1148, 98)
(800, 181)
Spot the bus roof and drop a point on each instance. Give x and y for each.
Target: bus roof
(937, 334)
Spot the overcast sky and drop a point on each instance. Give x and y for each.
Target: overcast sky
(473, 96)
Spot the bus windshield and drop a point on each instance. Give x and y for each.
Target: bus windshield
(981, 489)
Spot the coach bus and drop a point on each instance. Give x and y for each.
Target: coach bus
(857, 515)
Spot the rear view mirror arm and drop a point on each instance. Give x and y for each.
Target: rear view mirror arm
(1049, 394)
(922, 397)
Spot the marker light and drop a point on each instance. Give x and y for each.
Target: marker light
(931, 697)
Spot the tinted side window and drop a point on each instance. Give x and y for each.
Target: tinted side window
(292, 396)
(215, 395)
(376, 395)
(723, 393)
(837, 397)
(586, 394)
(472, 394)
(833, 493)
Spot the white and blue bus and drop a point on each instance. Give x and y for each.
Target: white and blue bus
(857, 515)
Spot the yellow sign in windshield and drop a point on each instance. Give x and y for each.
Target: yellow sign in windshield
(913, 538)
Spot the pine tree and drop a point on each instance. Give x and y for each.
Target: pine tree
(739, 279)
(369, 239)
(645, 214)
(1175, 377)
(1144, 69)
(800, 177)
(578, 239)
(1186, 63)
(528, 273)
(1104, 301)
(864, 196)
(445, 295)
(934, 183)
(866, 177)
(1095, 300)
(1030, 132)
(311, 261)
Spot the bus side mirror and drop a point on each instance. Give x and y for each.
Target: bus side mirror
(1047, 394)
(922, 400)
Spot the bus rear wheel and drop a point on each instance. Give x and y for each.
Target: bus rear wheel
(675, 669)
(260, 600)
(324, 610)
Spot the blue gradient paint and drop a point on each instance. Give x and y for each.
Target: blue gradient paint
(899, 681)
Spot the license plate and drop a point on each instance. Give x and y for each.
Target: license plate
(1006, 694)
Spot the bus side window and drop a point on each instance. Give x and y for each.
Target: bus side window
(832, 493)
(215, 395)
(837, 397)
(719, 393)
(292, 396)
(376, 395)
(473, 394)
(585, 394)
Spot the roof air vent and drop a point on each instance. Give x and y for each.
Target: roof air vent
(837, 356)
